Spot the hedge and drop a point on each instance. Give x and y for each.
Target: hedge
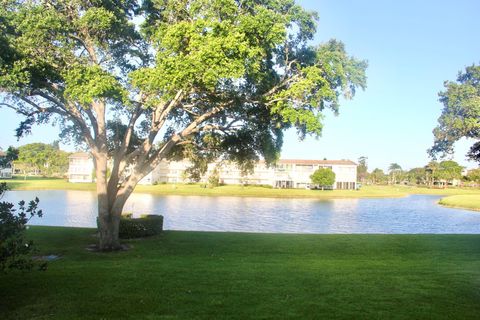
(146, 225)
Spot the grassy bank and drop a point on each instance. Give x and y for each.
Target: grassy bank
(471, 202)
(40, 183)
(242, 191)
(195, 275)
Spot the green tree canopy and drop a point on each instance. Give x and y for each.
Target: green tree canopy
(198, 79)
(323, 177)
(460, 116)
(43, 158)
(448, 170)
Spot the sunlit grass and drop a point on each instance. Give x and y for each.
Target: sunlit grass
(462, 201)
(201, 275)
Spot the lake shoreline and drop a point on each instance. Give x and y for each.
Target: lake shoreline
(367, 191)
(458, 207)
(467, 202)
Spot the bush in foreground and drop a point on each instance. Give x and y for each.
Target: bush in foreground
(15, 250)
(146, 225)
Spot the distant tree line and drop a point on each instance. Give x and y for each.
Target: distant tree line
(37, 159)
(434, 174)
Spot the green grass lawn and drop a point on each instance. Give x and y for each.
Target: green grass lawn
(469, 201)
(244, 191)
(199, 275)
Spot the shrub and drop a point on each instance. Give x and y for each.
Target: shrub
(146, 225)
(214, 179)
(15, 250)
(324, 178)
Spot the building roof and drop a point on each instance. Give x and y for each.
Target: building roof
(316, 162)
(3, 153)
(80, 155)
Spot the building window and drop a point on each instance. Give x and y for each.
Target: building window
(284, 184)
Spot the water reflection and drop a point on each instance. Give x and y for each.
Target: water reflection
(76, 205)
(343, 216)
(414, 214)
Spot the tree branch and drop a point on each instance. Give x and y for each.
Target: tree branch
(119, 162)
(159, 117)
(14, 108)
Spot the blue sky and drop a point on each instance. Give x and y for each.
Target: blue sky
(411, 47)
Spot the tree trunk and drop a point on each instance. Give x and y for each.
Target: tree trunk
(112, 197)
(108, 219)
(108, 227)
(111, 201)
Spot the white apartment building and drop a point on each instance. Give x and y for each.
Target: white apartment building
(284, 174)
(290, 173)
(80, 167)
(5, 172)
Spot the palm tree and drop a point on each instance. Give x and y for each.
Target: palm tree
(393, 169)
(431, 169)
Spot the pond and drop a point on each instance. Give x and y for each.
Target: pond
(413, 214)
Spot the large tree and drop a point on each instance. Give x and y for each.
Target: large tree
(448, 170)
(187, 78)
(460, 116)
